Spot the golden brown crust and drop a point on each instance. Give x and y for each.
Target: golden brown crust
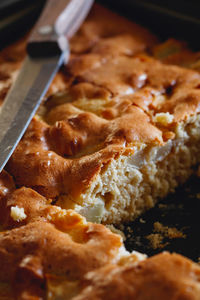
(57, 251)
(164, 276)
(102, 31)
(49, 241)
(126, 76)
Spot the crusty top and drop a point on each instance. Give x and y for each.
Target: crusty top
(102, 104)
(164, 276)
(48, 240)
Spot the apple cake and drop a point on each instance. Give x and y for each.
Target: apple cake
(117, 130)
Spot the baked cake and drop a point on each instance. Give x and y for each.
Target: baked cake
(123, 130)
(117, 130)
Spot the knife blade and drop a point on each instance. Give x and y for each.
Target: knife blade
(47, 50)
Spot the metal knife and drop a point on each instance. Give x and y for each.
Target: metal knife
(47, 49)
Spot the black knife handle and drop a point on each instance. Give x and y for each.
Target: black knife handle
(60, 19)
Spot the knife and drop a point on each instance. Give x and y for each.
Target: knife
(47, 49)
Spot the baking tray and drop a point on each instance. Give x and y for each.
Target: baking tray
(166, 18)
(181, 209)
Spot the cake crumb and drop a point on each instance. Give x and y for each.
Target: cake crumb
(161, 232)
(142, 221)
(17, 213)
(171, 233)
(156, 240)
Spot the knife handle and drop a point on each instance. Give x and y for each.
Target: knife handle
(59, 20)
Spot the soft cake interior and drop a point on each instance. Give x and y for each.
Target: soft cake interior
(131, 184)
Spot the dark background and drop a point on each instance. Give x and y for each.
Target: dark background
(177, 18)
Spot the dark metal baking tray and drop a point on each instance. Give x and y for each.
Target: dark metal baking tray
(179, 210)
(167, 18)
